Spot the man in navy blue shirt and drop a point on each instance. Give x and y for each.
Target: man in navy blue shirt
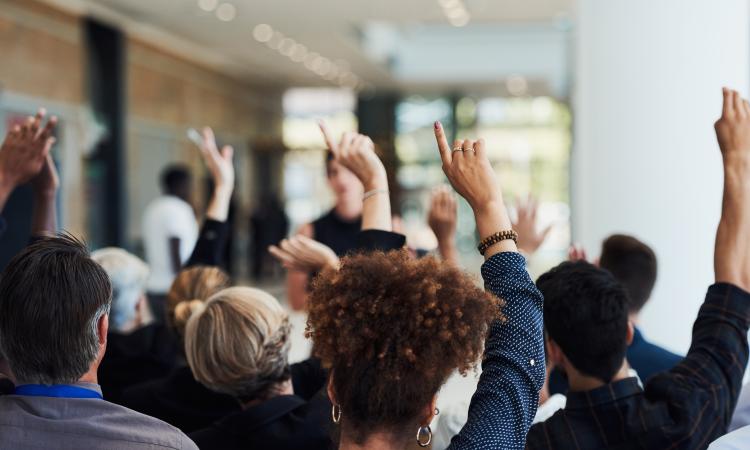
(633, 264)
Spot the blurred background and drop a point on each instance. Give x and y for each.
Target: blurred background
(603, 110)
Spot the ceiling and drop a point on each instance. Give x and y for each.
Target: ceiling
(350, 33)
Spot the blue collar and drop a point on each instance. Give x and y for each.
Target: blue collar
(56, 390)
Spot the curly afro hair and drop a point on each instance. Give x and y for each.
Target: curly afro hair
(392, 329)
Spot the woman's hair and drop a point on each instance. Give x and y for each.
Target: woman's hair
(392, 329)
(238, 342)
(128, 275)
(190, 289)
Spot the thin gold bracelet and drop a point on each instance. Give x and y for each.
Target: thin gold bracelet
(369, 194)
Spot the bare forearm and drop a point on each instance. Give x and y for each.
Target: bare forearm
(218, 206)
(490, 219)
(5, 191)
(731, 257)
(44, 215)
(448, 250)
(376, 209)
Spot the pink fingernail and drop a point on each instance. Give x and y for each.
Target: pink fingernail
(437, 125)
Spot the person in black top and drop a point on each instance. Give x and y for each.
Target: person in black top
(177, 398)
(336, 229)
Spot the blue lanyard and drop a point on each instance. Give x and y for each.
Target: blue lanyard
(57, 390)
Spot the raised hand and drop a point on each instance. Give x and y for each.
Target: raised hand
(304, 254)
(468, 170)
(442, 215)
(25, 149)
(219, 163)
(530, 237)
(221, 167)
(442, 219)
(470, 173)
(356, 152)
(576, 252)
(731, 257)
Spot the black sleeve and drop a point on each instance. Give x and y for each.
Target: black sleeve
(3, 226)
(209, 249)
(372, 240)
(308, 377)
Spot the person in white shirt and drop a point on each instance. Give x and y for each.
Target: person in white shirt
(170, 231)
(736, 440)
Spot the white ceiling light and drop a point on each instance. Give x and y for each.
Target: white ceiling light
(336, 72)
(208, 5)
(226, 12)
(517, 85)
(298, 54)
(311, 59)
(287, 46)
(275, 40)
(455, 11)
(263, 32)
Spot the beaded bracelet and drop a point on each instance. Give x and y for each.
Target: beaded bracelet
(495, 238)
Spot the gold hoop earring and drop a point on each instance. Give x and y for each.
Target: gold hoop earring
(426, 430)
(336, 414)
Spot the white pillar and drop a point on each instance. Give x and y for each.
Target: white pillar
(645, 159)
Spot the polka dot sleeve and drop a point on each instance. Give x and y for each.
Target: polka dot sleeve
(506, 399)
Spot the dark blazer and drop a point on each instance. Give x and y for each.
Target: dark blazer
(281, 423)
(180, 401)
(299, 421)
(147, 353)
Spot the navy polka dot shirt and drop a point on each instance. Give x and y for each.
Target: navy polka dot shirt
(507, 396)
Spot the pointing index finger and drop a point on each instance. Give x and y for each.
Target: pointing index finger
(445, 150)
(330, 142)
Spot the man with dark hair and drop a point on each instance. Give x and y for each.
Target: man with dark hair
(586, 315)
(169, 232)
(634, 265)
(54, 317)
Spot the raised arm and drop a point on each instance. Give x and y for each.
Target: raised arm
(442, 218)
(356, 152)
(24, 152)
(506, 399)
(44, 212)
(209, 249)
(711, 372)
(731, 256)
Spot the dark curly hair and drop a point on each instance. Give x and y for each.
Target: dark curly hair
(585, 313)
(392, 329)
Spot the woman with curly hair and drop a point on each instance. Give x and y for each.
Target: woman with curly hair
(391, 329)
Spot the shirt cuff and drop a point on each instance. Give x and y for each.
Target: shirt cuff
(731, 299)
(373, 240)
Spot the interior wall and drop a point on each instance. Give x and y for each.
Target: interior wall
(44, 64)
(645, 158)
